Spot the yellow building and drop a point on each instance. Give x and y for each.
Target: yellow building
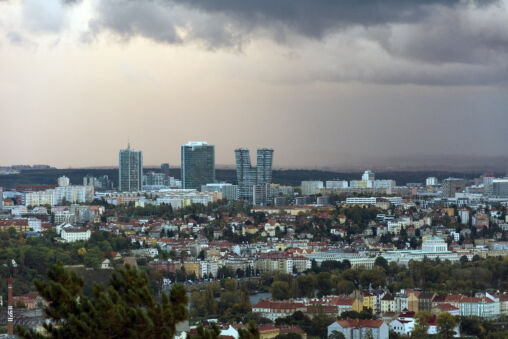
(412, 301)
(186, 202)
(192, 266)
(250, 229)
(268, 332)
(388, 303)
(357, 305)
(369, 300)
(20, 225)
(280, 247)
(449, 211)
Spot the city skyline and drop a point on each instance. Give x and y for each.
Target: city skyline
(374, 202)
(327, 85)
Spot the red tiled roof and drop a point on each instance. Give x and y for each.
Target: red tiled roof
(75, 230)
(11, 222)
(267, 327)
(447, 307)
(453, 298)
(360, 323)
(293, 329)
(278, 305)
(476, 300)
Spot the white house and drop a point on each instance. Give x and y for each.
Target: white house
(105, 264)
(404, 327)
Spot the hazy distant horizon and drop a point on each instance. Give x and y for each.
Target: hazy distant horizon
(457, 163)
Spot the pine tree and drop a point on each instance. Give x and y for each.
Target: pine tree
(252, 332)
(204, 333)
(125, 309)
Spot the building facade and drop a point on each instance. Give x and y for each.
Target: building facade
(264, 165)
(198, 164)
(500, 188)
(130, 170)
(359, 328)
(229, 191)
(250, 177)
(452, 186)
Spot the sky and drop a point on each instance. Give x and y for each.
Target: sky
(324, 83)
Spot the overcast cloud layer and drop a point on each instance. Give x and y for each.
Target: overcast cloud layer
(434, 42)
(398, 41)
(396, 76)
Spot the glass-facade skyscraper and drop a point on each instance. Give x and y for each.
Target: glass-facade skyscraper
(198, 165)
(245, 174)
(264, 166)
(248, 176)
(130, 170)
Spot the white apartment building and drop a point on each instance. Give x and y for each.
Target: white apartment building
(372, 200)
(63, 181)
(431, 181)
(480, 307)
(383, 184)
(229, 191)
(179, 198)
(34, 224)
(72, 234)
(53, 197)
(464, 216)
(212, 267)
(310, 187)
(337, 184)
(368, 176)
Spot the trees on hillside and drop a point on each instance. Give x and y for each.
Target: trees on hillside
(124, 309)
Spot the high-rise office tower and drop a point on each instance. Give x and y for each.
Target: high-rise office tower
(198, 164)
(130, 170)
(248, 177)
(264, 166)
(245, 174)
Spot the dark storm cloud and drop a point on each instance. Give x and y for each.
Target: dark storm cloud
(316, 18)
(310, 18)
(229, 22)
(433, 42)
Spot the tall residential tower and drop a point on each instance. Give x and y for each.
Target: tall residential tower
(264, 166)
(245, 174)
(249, 178)
(198, 164)
(130, 170)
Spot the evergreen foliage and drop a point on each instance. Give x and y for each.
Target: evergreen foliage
(125, 309)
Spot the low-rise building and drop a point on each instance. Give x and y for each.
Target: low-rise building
(359, 328)
(72, 234)
(277, 309)
(483, 307)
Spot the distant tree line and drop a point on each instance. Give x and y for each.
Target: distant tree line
(291, 177)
